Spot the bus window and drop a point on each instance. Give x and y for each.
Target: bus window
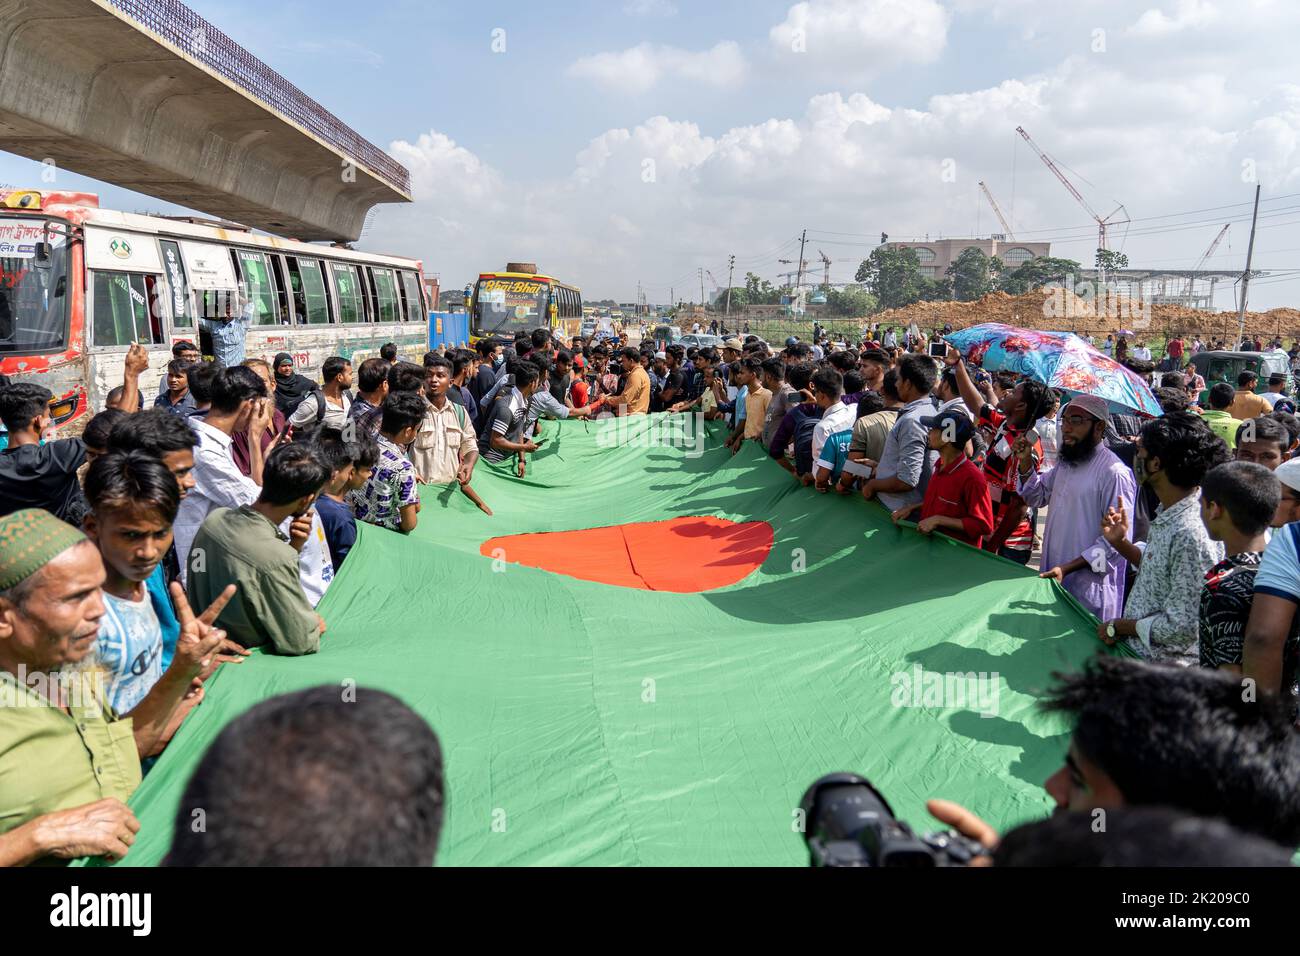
(281, 290)
(403, 313)
(310, 297)
(255, 284)
(415, 303)
(177, 288)
(351, 305)
(33, 299)
(385, 295)
(125, 309)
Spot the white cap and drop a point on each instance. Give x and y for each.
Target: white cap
(1289, 473)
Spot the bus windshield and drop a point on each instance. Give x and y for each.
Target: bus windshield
(33, 296)
(508, 305)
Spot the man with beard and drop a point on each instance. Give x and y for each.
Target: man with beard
(68, 761)
(1086, 483)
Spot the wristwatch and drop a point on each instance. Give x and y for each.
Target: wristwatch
(1110, 631)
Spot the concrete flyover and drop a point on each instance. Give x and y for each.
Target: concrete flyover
(147, 95)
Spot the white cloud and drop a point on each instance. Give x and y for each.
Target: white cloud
(862, 35)
(1188, 14)
(653, 200)
(640, 68)
(650, 8)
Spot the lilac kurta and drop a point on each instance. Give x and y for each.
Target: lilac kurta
(1077, 497)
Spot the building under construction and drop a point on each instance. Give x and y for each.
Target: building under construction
(1188, 288)
(937, 255)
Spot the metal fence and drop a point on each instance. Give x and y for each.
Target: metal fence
(183, 28)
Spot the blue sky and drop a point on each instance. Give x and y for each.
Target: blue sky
(885, 120)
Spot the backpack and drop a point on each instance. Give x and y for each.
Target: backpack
(805, 423)
(322, 406)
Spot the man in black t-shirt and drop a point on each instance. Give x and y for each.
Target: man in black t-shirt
(561, 377)
(33, 475)
(674, 387)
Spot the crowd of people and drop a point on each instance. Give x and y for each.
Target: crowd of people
(164, 543)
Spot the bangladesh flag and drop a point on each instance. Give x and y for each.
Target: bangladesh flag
(653, 647)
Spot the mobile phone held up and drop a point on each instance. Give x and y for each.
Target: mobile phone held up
(938, 349)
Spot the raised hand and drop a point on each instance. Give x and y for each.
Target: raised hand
(199, 638)
(137, 359)
(300, 531)
(1114, 524)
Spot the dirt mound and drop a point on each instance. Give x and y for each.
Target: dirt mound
(1060, 310)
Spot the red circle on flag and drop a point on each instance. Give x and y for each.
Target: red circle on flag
(684, 555)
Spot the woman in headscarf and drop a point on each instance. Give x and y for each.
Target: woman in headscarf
(290, 387)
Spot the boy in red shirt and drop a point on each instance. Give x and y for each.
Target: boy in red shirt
(957, 497)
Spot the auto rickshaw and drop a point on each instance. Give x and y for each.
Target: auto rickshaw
(1217, 367)
(665, 335)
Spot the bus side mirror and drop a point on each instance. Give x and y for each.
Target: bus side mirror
(42, 252)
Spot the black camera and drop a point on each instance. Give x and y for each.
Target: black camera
(848, 823)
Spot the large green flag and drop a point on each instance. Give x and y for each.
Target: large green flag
(672, 707)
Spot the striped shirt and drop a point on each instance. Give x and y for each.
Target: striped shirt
(507, 419)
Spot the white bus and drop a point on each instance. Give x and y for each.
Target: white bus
(79, 284)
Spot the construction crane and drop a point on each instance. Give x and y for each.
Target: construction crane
(1201, 261)
(826, 261)
(1101, 223)
(1006, 226)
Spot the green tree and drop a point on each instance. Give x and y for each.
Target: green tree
(1108, 260)
(893, 275)
(1037, 272)
(932, 290)
(853, 301)
(973, 274)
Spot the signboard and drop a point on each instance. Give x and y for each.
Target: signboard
(180, 296)
(115, 251)
(18, 237)
(208, 266)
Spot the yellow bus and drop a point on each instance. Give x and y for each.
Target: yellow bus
(521, 298)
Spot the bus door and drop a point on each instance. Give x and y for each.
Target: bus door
(127, 301)
(211, 277)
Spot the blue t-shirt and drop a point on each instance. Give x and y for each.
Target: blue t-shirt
(340, 528)
(836, 451)
(130, 649)
(166, 614)
(1279, 576)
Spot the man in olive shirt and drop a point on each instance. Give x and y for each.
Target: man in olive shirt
(68, 763)
(245, 547)
(636, 392)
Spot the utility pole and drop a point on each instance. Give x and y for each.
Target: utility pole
(1245, 276)
(701, 287)
(799, 282)
(731, 271)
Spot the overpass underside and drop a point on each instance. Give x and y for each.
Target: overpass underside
(146, 95)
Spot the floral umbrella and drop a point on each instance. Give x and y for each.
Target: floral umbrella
(1059, 359)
